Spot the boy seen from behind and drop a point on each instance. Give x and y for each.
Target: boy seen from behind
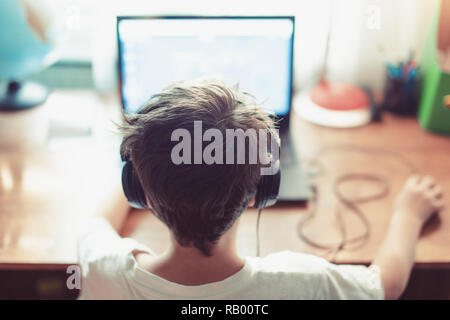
(201, 202)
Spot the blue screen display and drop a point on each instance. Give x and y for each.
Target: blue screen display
(254, 53)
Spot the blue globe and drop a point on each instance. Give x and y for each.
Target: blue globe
(25, 38)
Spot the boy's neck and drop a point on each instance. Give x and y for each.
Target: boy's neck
(188, 266)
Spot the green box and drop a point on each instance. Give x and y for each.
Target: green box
(433, 115)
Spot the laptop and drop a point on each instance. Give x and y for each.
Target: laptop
(255, 52)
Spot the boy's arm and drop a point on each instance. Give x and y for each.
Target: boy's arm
(418, 201)
(116, 209)
(112, 205)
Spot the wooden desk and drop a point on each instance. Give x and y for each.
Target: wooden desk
(45, 193)
(429, 153)
(48, 191)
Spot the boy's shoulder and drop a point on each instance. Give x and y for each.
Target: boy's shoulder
(288, 261)
(101, 248)
(308, 276)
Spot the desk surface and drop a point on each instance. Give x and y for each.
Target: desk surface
(48, 192)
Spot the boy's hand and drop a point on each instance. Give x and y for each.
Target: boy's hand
(420, 198)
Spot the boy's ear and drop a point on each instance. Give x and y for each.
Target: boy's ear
(252, 202)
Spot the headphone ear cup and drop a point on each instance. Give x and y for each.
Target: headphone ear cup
(267, 190)
(132, 187)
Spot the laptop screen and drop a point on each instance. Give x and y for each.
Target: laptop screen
(255, 53)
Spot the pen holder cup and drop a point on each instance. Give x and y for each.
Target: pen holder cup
(402, 95)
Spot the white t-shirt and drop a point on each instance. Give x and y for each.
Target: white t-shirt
(110, 271)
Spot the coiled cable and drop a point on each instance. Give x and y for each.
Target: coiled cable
(346, 202)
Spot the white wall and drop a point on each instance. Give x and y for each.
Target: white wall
(359, 47)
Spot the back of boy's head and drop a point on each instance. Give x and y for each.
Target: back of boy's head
(198, 202)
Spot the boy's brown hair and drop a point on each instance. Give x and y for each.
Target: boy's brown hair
(198, 202)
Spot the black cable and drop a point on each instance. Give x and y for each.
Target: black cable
(349, 203)
(258, 218)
